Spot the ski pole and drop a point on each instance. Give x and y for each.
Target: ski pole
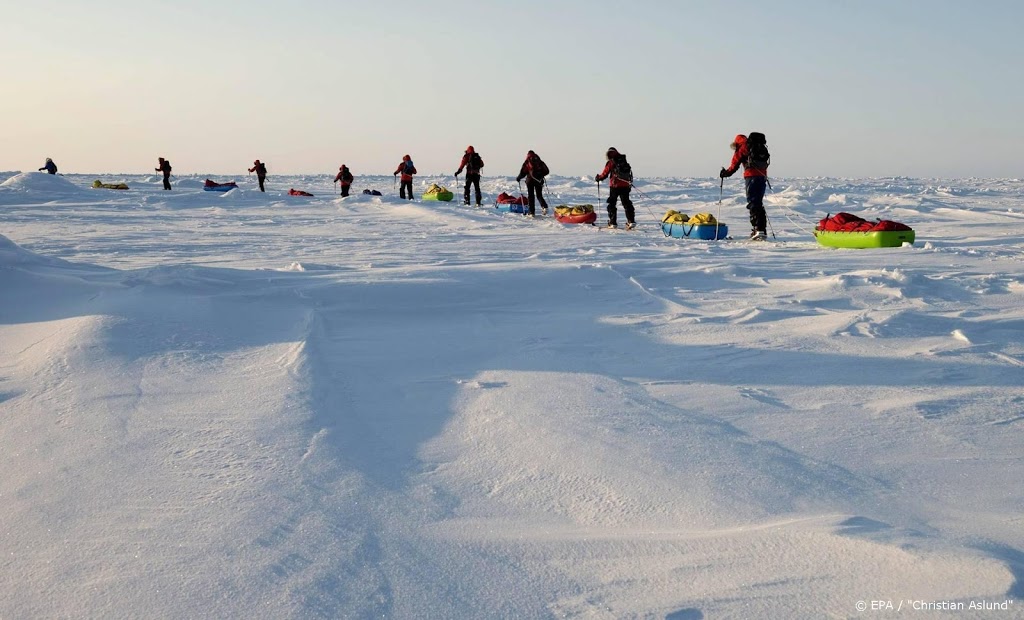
(721, 188)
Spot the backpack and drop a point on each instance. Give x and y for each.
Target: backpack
(409, 167)
(622, 170)
(540, 169)
(475, 161)
(758, 156)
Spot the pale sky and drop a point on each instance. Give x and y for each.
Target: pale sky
(841, 88)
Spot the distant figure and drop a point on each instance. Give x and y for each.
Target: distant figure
(406, 169)
(472, 162)
(619, 186)
(261, 173)
(346, 178)
(534, 170)
(49, 166)
(165, 167)
(753, 154)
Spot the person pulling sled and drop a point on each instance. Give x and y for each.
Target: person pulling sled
(752, 153)
(345, 177)
(620, 174)
(406, 169)
(472, 162)
(534, 170)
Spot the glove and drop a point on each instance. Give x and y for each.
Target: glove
(518, 179)
(456, 174)
(396, 174)
(598, 178)
(723, 174)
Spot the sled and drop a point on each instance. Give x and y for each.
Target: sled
(211, 186)
(704, 232)
(299, 192)
(101, 185)
(437, 192)
(845, 230)
(863, 240)
(507, 203)
(575, 214)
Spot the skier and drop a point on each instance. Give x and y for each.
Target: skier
(755, 179)
(472, 162)
(345, 177)
(261, 173)
(164, 166)
(619, 186)
(407, 169)
(534, 170)
(49, 166)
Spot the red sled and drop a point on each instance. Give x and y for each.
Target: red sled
(583, 218)
(298, 192)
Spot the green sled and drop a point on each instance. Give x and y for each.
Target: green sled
(442, 196)
(872, 239)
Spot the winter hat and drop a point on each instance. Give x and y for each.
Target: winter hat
(470, 149)
(530, 154)
(406, 158)
(48, 159)
(256, 162)
(612, 152)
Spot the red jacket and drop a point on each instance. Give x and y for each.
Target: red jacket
(406, 176)
(344, 176)
(533, 169)
(615, 181)
(468, 164)
(740, 157)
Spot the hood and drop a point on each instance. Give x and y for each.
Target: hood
(470, 150)
(406, 158)
(739, 141)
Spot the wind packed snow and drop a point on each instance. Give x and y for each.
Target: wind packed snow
(264, 406)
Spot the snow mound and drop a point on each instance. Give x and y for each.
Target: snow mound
(13, 254)
(41, 182)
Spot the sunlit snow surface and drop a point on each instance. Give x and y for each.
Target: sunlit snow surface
(263, 406)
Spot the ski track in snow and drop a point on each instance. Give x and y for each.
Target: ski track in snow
(258, 405)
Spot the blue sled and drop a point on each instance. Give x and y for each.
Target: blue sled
(511, 208)
(705, 232)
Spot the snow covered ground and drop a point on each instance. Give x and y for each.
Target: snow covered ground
(256, 405)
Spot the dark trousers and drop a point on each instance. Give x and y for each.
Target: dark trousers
(405, 185)
(535, 192)
(262, 179)
(756, 187)
(344, 189)
(473, 180)
(167, 180)
(620, 193)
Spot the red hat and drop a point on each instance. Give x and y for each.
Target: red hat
(470, 149)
